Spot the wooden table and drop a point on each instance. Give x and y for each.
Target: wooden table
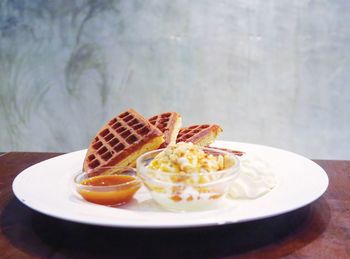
(319, 230)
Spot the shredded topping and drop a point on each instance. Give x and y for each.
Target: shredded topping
(188, 158)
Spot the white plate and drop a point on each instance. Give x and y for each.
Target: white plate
(47, 187)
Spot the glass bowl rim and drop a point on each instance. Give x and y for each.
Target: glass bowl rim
(195, 185)
(234, 168)
(82, 173)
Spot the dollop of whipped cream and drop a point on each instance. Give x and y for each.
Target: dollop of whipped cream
(255, 178)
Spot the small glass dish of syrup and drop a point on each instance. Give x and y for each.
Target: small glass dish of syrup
(113, 189)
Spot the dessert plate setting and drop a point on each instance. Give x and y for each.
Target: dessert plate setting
(51, 191)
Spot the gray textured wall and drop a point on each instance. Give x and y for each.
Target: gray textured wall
(269, 72)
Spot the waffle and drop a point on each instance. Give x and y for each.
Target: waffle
(169, 123)
(231, 151)
(122, 140)
(201, 135)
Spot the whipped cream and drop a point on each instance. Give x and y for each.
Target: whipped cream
(255, 179)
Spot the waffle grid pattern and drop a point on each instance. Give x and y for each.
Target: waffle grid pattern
(188, 134)
(118, 135)
(165, 123)
(161, 121)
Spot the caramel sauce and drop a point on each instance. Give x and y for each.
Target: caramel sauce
(107, 180)
(121, 194)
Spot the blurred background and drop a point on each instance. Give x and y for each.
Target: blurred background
(269, 72)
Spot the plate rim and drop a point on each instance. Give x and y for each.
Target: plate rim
(176, 224)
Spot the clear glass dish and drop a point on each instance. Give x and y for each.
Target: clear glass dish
(187, 191)
(116, 188)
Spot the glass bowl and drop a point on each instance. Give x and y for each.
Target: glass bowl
(187, 191)
(116, 188)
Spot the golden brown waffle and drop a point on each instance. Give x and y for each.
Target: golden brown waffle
(122, 140)
(201, 135)
(169, 123)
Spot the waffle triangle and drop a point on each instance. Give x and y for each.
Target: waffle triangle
(202, 135)
(169, 123)
(122, 140)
